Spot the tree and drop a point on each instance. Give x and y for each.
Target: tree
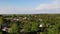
(14, 29)
(27, 27)
(34, 26)
(1, 20)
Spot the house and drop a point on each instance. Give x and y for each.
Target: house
(42, 27)
(40, 19)
(5, 30)
(24, 18)
(5, 27)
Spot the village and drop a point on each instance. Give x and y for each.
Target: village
(28, 24)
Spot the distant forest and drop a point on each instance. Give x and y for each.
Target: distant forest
(30, 24)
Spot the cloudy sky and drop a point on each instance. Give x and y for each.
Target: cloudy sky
(29, 6)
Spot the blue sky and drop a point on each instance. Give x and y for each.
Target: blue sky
(27, 6)
(23, 3)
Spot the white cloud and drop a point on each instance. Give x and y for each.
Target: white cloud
(14, 10)
(54, 5)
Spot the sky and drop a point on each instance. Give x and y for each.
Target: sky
(29, 6)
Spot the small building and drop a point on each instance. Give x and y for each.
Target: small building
(4, 28)
(24, 18)
(21, 30)
(40, 19)
(41, 27)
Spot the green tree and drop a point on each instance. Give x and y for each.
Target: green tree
(27, 27)
(34, 26)
(1, 20)
(14, 29)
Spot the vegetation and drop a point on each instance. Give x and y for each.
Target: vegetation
(31, 23)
